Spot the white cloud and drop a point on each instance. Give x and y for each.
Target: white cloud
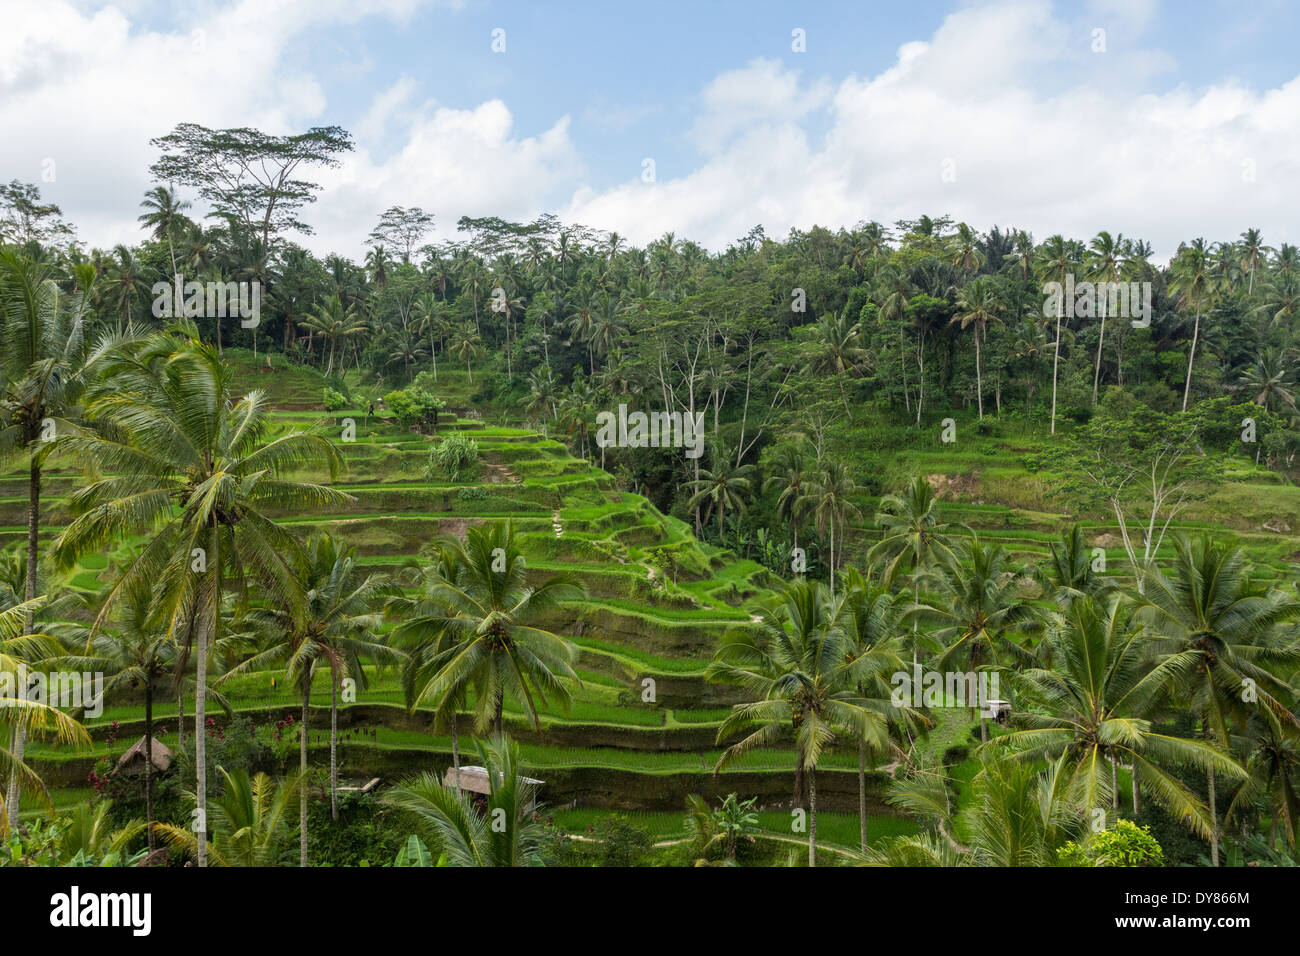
(88, 88)
(454, 163)
(760, 94)
(1037, 131)
(1042, 132)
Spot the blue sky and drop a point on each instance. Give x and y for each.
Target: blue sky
(1152, 136)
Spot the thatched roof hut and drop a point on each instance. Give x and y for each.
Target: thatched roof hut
(133, 760)
(475, 780)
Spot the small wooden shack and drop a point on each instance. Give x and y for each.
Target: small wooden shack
(999, 710)
(475, 780)
(132, 761)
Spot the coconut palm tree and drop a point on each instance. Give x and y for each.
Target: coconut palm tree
(790, 479)
(124, 281)
(467, 345)
(868, 614)
(542, 394)
(1253, 254)
(164, 217)
(1093, 707)
(250, 825)
(1196, 288)
(484, 614)
(724, 485)
(608, 328)
(978, 612)
(1068, 571)
(22, 653)
(1017, 815)
(1271, 379)
(913, 537)
(337, 631)
(1104, 263)
(505, 834)
(830, 501)
(1216, 634)
(1056, 260)
(139, 655)
(795, 664)
(1020, 260)
(46, 364)
(421, 633)
(336, 324)
(429, 320)
(407, 348)
(706, 828)
(190, 466)
(576, 410)
(1279, 298)
(980, 305)
(582, 326)
(966, 254)
(839, 344)
(1272, 769)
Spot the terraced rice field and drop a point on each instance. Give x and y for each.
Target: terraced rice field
(642, 731)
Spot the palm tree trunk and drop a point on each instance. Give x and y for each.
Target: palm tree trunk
(455, 746)
(1191, 360)
(1214, 822)
(14, 794)
(920, 376)
(1114, 785)
(1136, 807)
(1056, 360)
(862, 793)
(180, 713)
(334, 747)
(812, 816)
(148, 760)
(200, 698)
(302, 770)
(979, 376)
(832, 529)
(1096, 375)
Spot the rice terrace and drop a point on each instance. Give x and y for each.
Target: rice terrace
(501, 537)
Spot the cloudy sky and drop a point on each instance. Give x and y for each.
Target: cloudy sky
(1158, 120)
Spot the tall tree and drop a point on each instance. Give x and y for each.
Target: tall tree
(979, 305)
(1196, 288)
(46, 364)
(494, 649)
(248, 175)
(191, 466)
(164, 217)
(1093, 708)
(1217, 636)
(796, 665)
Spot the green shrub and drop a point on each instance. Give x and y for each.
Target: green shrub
(334, 401)
(362, 834)
(455, 457)
(1124, 844)
(414, 406)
